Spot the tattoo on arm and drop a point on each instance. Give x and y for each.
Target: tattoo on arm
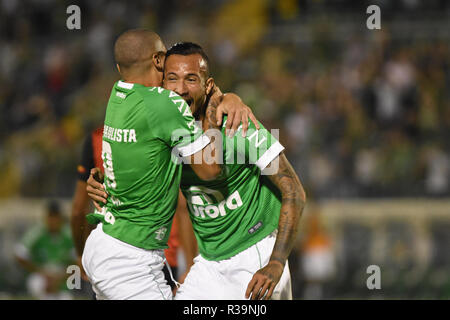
(211, 117)
(213, 101)
(292, 204)
(214, 149)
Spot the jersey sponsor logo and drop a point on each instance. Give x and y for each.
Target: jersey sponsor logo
(201, 199)
(255, 227)
(160, 233)
(119, 135)
(121, 95)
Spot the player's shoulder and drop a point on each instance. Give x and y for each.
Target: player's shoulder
(156, 93)
(125, 90)
(34, 234)
(164, 101)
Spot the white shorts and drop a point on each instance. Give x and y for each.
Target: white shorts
(119, 271)
(228, 279)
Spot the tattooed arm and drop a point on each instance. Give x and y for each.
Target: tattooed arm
(292, 203)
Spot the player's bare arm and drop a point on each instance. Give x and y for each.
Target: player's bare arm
(293, 201)
(78, 223)
(188, 242)
(210, 167)
(238, 113)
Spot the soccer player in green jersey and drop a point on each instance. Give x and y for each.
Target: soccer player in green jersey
(123, 257)
(45, 252)
(245, 222)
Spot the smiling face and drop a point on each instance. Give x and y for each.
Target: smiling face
(187, 76)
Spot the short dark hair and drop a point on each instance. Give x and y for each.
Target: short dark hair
(133, 50)
(188, 48)
(53, 208)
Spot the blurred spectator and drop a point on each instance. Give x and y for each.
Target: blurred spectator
(317, 258)
(437, 178)
(349, 102)
(362, 113)
(46, 252)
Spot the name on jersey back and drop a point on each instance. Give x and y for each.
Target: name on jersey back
(119, 135)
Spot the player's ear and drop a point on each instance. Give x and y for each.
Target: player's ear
(158, 60)
(209, 85)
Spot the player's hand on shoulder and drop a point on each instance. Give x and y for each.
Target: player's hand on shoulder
(236, 110)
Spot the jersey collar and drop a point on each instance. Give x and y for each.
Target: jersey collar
(125, 85)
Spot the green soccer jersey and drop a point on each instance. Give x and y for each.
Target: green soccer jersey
(145, 129)
(242, 207)
(48, 250)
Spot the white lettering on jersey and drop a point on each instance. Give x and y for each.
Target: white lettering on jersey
(125, 134)
(192, 124)
(187, 111)
(121, 95)
(233, 202)
(237, 201)
(255, 135)
(212, 211)
(109, 217)
(119, 135)
(183, 107)
(132, 137)
(108, 165)
(181, 102)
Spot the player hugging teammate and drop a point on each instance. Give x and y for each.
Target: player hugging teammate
(245, 219)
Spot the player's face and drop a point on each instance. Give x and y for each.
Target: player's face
(185, 76)
(54, 223)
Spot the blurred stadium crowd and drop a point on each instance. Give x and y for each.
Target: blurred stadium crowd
(362, 113)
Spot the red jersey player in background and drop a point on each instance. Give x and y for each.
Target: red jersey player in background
(181, 228)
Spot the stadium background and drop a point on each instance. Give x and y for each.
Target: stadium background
(364, 115)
